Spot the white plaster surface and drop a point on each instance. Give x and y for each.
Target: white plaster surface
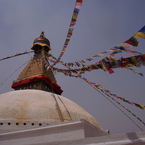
(37, 105)
(61, 132)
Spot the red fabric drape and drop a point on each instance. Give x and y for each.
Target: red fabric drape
(45, 79)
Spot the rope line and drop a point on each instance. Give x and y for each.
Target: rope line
(18, 54)
(107, 96)
(117, 106)
(13, 73)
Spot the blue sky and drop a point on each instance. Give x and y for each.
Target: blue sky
(101, 25)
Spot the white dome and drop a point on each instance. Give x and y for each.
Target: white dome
(37, 105)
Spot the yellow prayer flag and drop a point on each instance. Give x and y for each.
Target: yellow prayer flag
(142, 106)
(140, 34)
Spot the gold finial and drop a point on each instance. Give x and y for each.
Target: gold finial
(42, 41)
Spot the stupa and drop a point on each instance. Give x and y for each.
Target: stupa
(36, 103)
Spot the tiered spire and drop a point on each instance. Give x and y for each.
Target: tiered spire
(35, 75)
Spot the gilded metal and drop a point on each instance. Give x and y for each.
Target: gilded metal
(42, 39)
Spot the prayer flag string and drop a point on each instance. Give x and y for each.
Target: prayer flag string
(77, 7)
(108, 64)
(18, 54)
(99, 87)
(108, 94)
(136, 72)
(131, 42)
(107, 97)
(113, 95)
(77, 74)
(13, 73)
(125, 46)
